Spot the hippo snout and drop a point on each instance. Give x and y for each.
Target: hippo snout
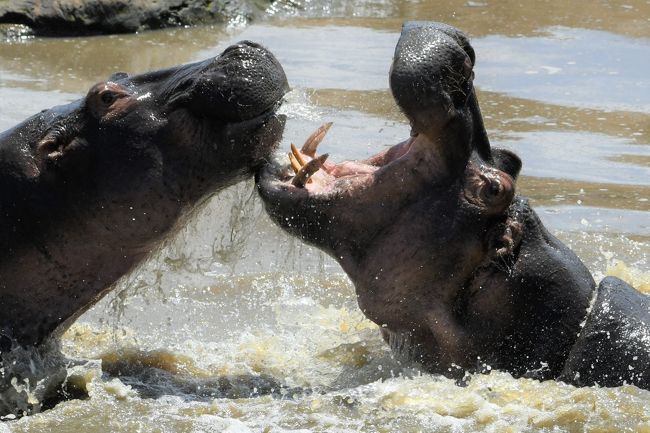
(432, 73)
(242, 83)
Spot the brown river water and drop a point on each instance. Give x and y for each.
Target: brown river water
(235, 327)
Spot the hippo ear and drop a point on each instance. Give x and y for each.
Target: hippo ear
(506, 161)
(52, 145)
(56, 142)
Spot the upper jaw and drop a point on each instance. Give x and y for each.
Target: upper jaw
(431, 81)
(432, 72)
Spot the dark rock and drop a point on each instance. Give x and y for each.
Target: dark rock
(87, 17)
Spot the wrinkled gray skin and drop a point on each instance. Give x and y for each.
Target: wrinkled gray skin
(89, 189)
(458, 271)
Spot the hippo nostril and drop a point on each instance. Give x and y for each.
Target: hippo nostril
(470, 52)
(250, 44)
(242, 45)
(231, 48)
(118, 76)
(468, 69)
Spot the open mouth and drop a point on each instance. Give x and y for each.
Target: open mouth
(314, 174)
(446, 165)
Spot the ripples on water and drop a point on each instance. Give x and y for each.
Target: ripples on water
(234, 327)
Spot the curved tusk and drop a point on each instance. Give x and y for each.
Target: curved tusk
(307, 170)
(297, 155)
(309, 148)
(295, 165)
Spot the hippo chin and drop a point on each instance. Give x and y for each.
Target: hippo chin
(88, 189)
(457, 270)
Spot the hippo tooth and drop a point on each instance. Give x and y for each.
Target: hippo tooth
(297, 154)
(309, 148)
(295, 165)
(301, 178)
(296, 160)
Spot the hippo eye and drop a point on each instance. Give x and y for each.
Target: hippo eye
(489, 189)
(493, 189)
(108, 97)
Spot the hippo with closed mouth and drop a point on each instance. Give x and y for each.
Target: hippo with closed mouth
(89, 189)
(457, 270)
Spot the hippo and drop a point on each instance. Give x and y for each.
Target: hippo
(89, 189)
(457, 270)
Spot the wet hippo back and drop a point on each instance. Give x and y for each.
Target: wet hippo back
(614, 346)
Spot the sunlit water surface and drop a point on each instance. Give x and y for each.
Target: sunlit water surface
(234, 327)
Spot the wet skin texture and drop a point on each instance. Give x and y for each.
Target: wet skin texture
(457, 270)
(89, 189)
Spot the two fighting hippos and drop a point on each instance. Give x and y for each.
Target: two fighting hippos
(454, 266)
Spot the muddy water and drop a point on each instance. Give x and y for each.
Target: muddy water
(233, 327)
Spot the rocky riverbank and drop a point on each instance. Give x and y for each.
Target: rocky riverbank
(88, 17)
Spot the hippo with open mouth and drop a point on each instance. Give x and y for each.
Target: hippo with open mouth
(89, 189)
(456, 269)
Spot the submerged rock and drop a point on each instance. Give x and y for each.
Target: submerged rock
(84, 17)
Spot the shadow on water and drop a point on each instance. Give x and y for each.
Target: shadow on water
(156, 374)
